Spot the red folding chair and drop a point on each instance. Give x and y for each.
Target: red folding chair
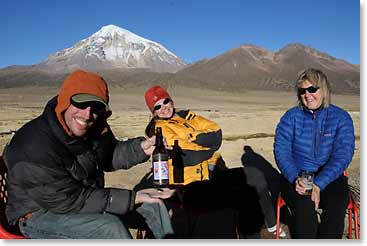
(280, 204)
(6, 231)
(352, 211)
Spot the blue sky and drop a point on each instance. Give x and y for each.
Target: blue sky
(192, 29)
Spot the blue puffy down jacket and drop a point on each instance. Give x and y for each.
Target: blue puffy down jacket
(320, 141)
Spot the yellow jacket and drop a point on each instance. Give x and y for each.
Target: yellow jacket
(198, 138)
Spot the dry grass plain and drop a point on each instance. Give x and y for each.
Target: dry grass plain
(246, 118)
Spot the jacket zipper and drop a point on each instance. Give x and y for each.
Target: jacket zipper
(314, 130)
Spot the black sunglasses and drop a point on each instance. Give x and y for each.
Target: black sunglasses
(311, 89)
(165, 102)
(96, 107)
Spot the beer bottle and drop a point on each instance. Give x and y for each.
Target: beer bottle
(160, 161)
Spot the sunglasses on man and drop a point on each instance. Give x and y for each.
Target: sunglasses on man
(95, 107)
(311, 89)
(165, 102)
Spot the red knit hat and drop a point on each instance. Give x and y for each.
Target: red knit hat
(154, 94)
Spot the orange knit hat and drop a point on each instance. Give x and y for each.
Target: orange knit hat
(154, 94)
(80, 82)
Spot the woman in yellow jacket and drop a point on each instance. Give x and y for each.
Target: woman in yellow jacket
(196, 137)
(195, 141)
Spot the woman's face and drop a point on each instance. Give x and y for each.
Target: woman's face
(310, 98)
(163, 108)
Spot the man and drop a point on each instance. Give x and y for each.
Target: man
(56, 166)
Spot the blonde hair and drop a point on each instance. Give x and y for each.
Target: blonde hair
(318, 79)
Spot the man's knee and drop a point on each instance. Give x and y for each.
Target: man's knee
(111, 226)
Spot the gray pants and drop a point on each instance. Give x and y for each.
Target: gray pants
(44, 224)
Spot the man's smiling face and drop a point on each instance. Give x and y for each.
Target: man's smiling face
(79, 120)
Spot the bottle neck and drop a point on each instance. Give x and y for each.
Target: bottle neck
(159, 142)
(159, 137)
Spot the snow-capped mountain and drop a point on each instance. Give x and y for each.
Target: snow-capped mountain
(114, 47)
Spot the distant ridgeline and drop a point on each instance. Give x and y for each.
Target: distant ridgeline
(127, 59)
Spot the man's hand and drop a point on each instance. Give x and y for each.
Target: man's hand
(315, 196)
(153, 195)
(148, 145)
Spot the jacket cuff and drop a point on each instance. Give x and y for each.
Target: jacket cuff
(119, 201)
(132, 200)
(138, 149)
(292, 178)
(320, 185)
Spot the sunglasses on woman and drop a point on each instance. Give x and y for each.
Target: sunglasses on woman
(311, 89)
(95, 107)
(165, 102)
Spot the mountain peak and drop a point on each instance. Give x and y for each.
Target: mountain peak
(253, 67)
(250, 46)
(308, 49)
(113, 46)
(110, 29)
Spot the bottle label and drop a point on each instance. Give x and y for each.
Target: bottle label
(160, 170)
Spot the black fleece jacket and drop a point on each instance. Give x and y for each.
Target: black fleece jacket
(48, 169)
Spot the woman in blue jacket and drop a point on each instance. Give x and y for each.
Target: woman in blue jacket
(318, 137)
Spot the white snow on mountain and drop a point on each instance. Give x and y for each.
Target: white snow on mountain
(113, 46)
